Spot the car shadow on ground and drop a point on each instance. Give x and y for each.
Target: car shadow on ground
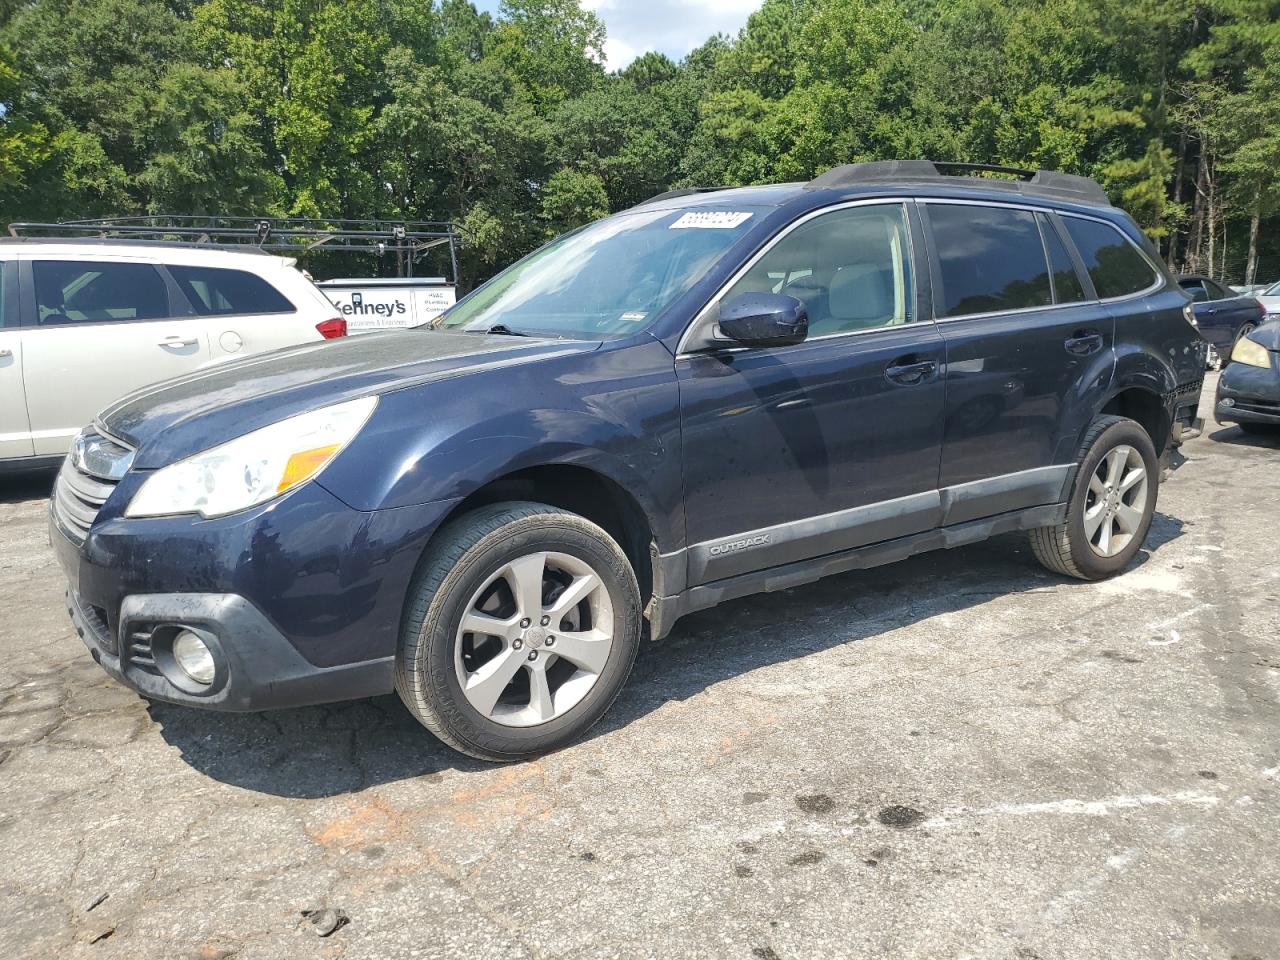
(1237, 437)
(27, 485)
(330, 750)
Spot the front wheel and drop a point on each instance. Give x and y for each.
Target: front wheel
(522, 626)
(1113, 501)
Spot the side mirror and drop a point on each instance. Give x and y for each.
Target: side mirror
(764, 320)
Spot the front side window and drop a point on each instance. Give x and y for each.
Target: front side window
(215, 292)
(990, 259)
(1114, 263)
(610, 279)
(70, 292)
(851, 269)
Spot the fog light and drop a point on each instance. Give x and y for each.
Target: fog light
(1228, 402)
(193, 657)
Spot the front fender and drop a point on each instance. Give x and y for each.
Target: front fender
(615, 412)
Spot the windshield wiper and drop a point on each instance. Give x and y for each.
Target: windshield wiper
(501, 329)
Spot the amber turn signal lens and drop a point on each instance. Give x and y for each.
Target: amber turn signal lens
(303, 464)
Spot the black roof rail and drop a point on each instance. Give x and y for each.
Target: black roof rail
(1046, 183)
(408, 240)
(682, 192)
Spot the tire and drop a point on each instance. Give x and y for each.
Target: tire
(481, 566)
(1243, 332)
(1074, 547)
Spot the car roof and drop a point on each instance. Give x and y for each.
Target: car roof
(905, 178)
(196, 254)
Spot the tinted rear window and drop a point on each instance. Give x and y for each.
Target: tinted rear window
(93, 292)
(215, 292)
(991, 259)
(1066, 284)
(1114, 263)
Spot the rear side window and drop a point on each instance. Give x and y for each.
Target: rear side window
(214, 292)
(69, 291)
(1197, 290)
(1216, 292)
(991, 259)
(1114, 263)
(1066, 285)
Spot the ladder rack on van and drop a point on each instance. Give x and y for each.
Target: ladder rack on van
(408, 240)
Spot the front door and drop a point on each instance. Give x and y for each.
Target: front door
(99, 329)
(1028, 352)
(804, 450)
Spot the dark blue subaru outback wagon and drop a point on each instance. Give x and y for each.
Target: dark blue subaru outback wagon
(714, 393)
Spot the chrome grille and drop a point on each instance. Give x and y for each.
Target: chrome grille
(83, 488)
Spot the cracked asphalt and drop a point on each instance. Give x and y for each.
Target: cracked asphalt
(957, 756)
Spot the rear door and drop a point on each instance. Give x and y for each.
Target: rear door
(1224, 314)
(1028, 353)
(15, 428)
(240, 312)
(97, 329)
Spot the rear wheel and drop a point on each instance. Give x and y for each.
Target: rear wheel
(521, 629)
(1113, 501)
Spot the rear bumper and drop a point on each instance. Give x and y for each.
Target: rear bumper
(257, 668)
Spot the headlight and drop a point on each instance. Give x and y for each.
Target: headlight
(254, 468)
(1248, 352)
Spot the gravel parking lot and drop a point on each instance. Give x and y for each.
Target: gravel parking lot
(957, 756)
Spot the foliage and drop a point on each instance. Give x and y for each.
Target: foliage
(510, 126)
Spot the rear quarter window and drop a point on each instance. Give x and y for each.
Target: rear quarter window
(217, 292)
(1113, 261)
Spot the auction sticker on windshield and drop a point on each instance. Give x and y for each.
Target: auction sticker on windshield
(710, 220)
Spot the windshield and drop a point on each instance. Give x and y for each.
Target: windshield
(1272, 291)
(609, 279)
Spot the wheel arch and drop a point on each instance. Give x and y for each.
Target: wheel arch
(580, 489)
(1147, 408)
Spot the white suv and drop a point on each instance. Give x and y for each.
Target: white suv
(82, 323)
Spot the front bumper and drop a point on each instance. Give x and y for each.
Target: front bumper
(300, 600)
(1253, 394)
(257, 668)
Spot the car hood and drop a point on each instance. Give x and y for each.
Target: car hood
(176, 418)
(1267, 334)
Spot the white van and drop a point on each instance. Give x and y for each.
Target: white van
(84, 322)
(390, 304)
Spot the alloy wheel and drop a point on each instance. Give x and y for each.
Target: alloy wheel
(534, 639)
(1116, 502)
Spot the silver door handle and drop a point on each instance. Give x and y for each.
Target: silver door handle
(178, 342)
(5, 352)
